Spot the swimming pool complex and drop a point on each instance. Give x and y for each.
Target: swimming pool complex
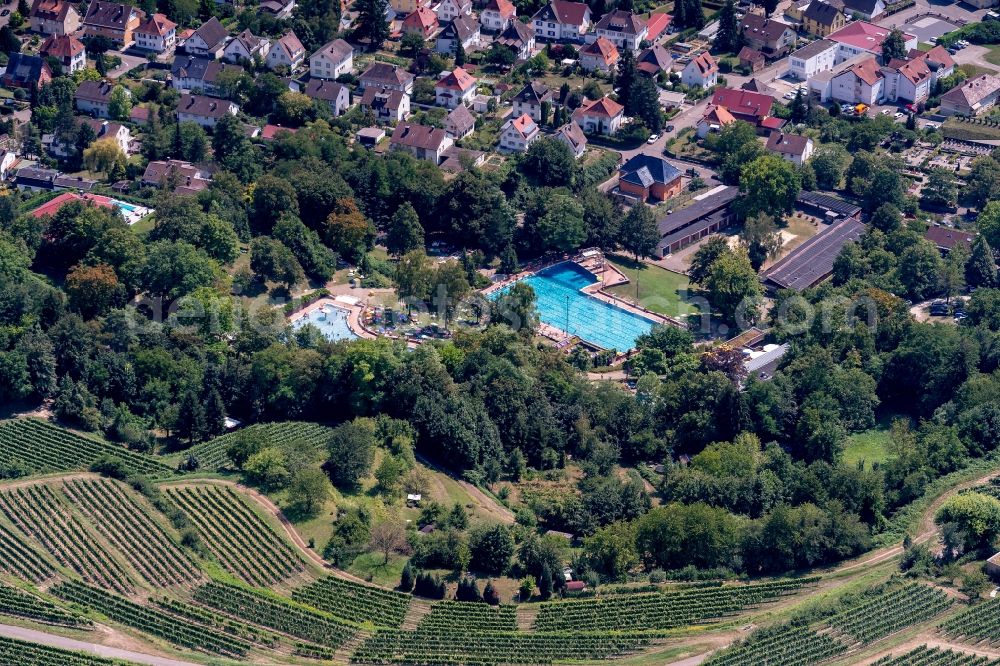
(330, 320)
(561, 304)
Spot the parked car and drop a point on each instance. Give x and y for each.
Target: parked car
(653, 138)
(938, 309)
(898, 115)
(669, 128)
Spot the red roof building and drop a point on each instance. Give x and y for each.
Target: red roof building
(657, 25)
(422, 22)
(744, 105)
(52, 207)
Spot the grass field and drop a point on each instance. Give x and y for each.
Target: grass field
(659, 290)
(871, 445)
(993, 56)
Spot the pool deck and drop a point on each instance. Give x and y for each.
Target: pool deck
(353, 315)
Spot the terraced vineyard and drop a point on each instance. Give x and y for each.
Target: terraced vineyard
(132, 530)
(48, 448)
(925, 656)
(37, 511)
(890, 611)
(212, 454)
(21, 653)
(19, 603)
(782, 646)
(459, 646)
(21, 560)
(240, 539)
(976, 623)
(148, 620)
(658, 610)
(355, 602)
(878, 614)
(284, 616)
(223, 623)
(476, 617)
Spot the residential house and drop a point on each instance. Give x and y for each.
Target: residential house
(713, 120)
(421, 22)
(573, 136)
(946, 238)
(421, 141)
(279, 9)
(792, 148)
(654, 60)
(94, 97)
(562, 20)
(940, 62)
(200, 74)
(518, 134)
(497, 15)
(449, 10)
(68, 50)
(115, 21)
(907, 80)
(701, 72)
(646, 177)
(859, 37)
(336, 95)
(600, 55)
(822, 18)
(245, 47)
(104, 129)
(332, 60)
(406, 7)
(529, 101)
(745, 105)
(657, 26)
(813, 58)
(772, 38)
(463, 30)
(971, 97)
(454, 88)
(603, 116)
(384, 76)
(287, 52)
(157, 34)
(209, 40)
(623, 29)
(35, 179)
(184, 176)
(519, 38)
(866, 9)
(206, 111)
(860, 83)
(388, 106)
(53, 17)
(459, 123)
(751, 59)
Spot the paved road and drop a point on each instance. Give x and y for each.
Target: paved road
(43, 638)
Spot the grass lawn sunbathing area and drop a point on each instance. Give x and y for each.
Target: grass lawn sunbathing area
(660, 290)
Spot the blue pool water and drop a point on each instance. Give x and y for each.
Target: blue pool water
(559, 300)
(124, 206)
(330, 320)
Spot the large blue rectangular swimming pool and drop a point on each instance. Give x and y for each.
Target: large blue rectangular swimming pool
(561, 304)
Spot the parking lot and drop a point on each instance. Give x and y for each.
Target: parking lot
(928, 28)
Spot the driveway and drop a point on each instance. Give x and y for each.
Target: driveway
(33, 636)
(975, 55)
(128, 62)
